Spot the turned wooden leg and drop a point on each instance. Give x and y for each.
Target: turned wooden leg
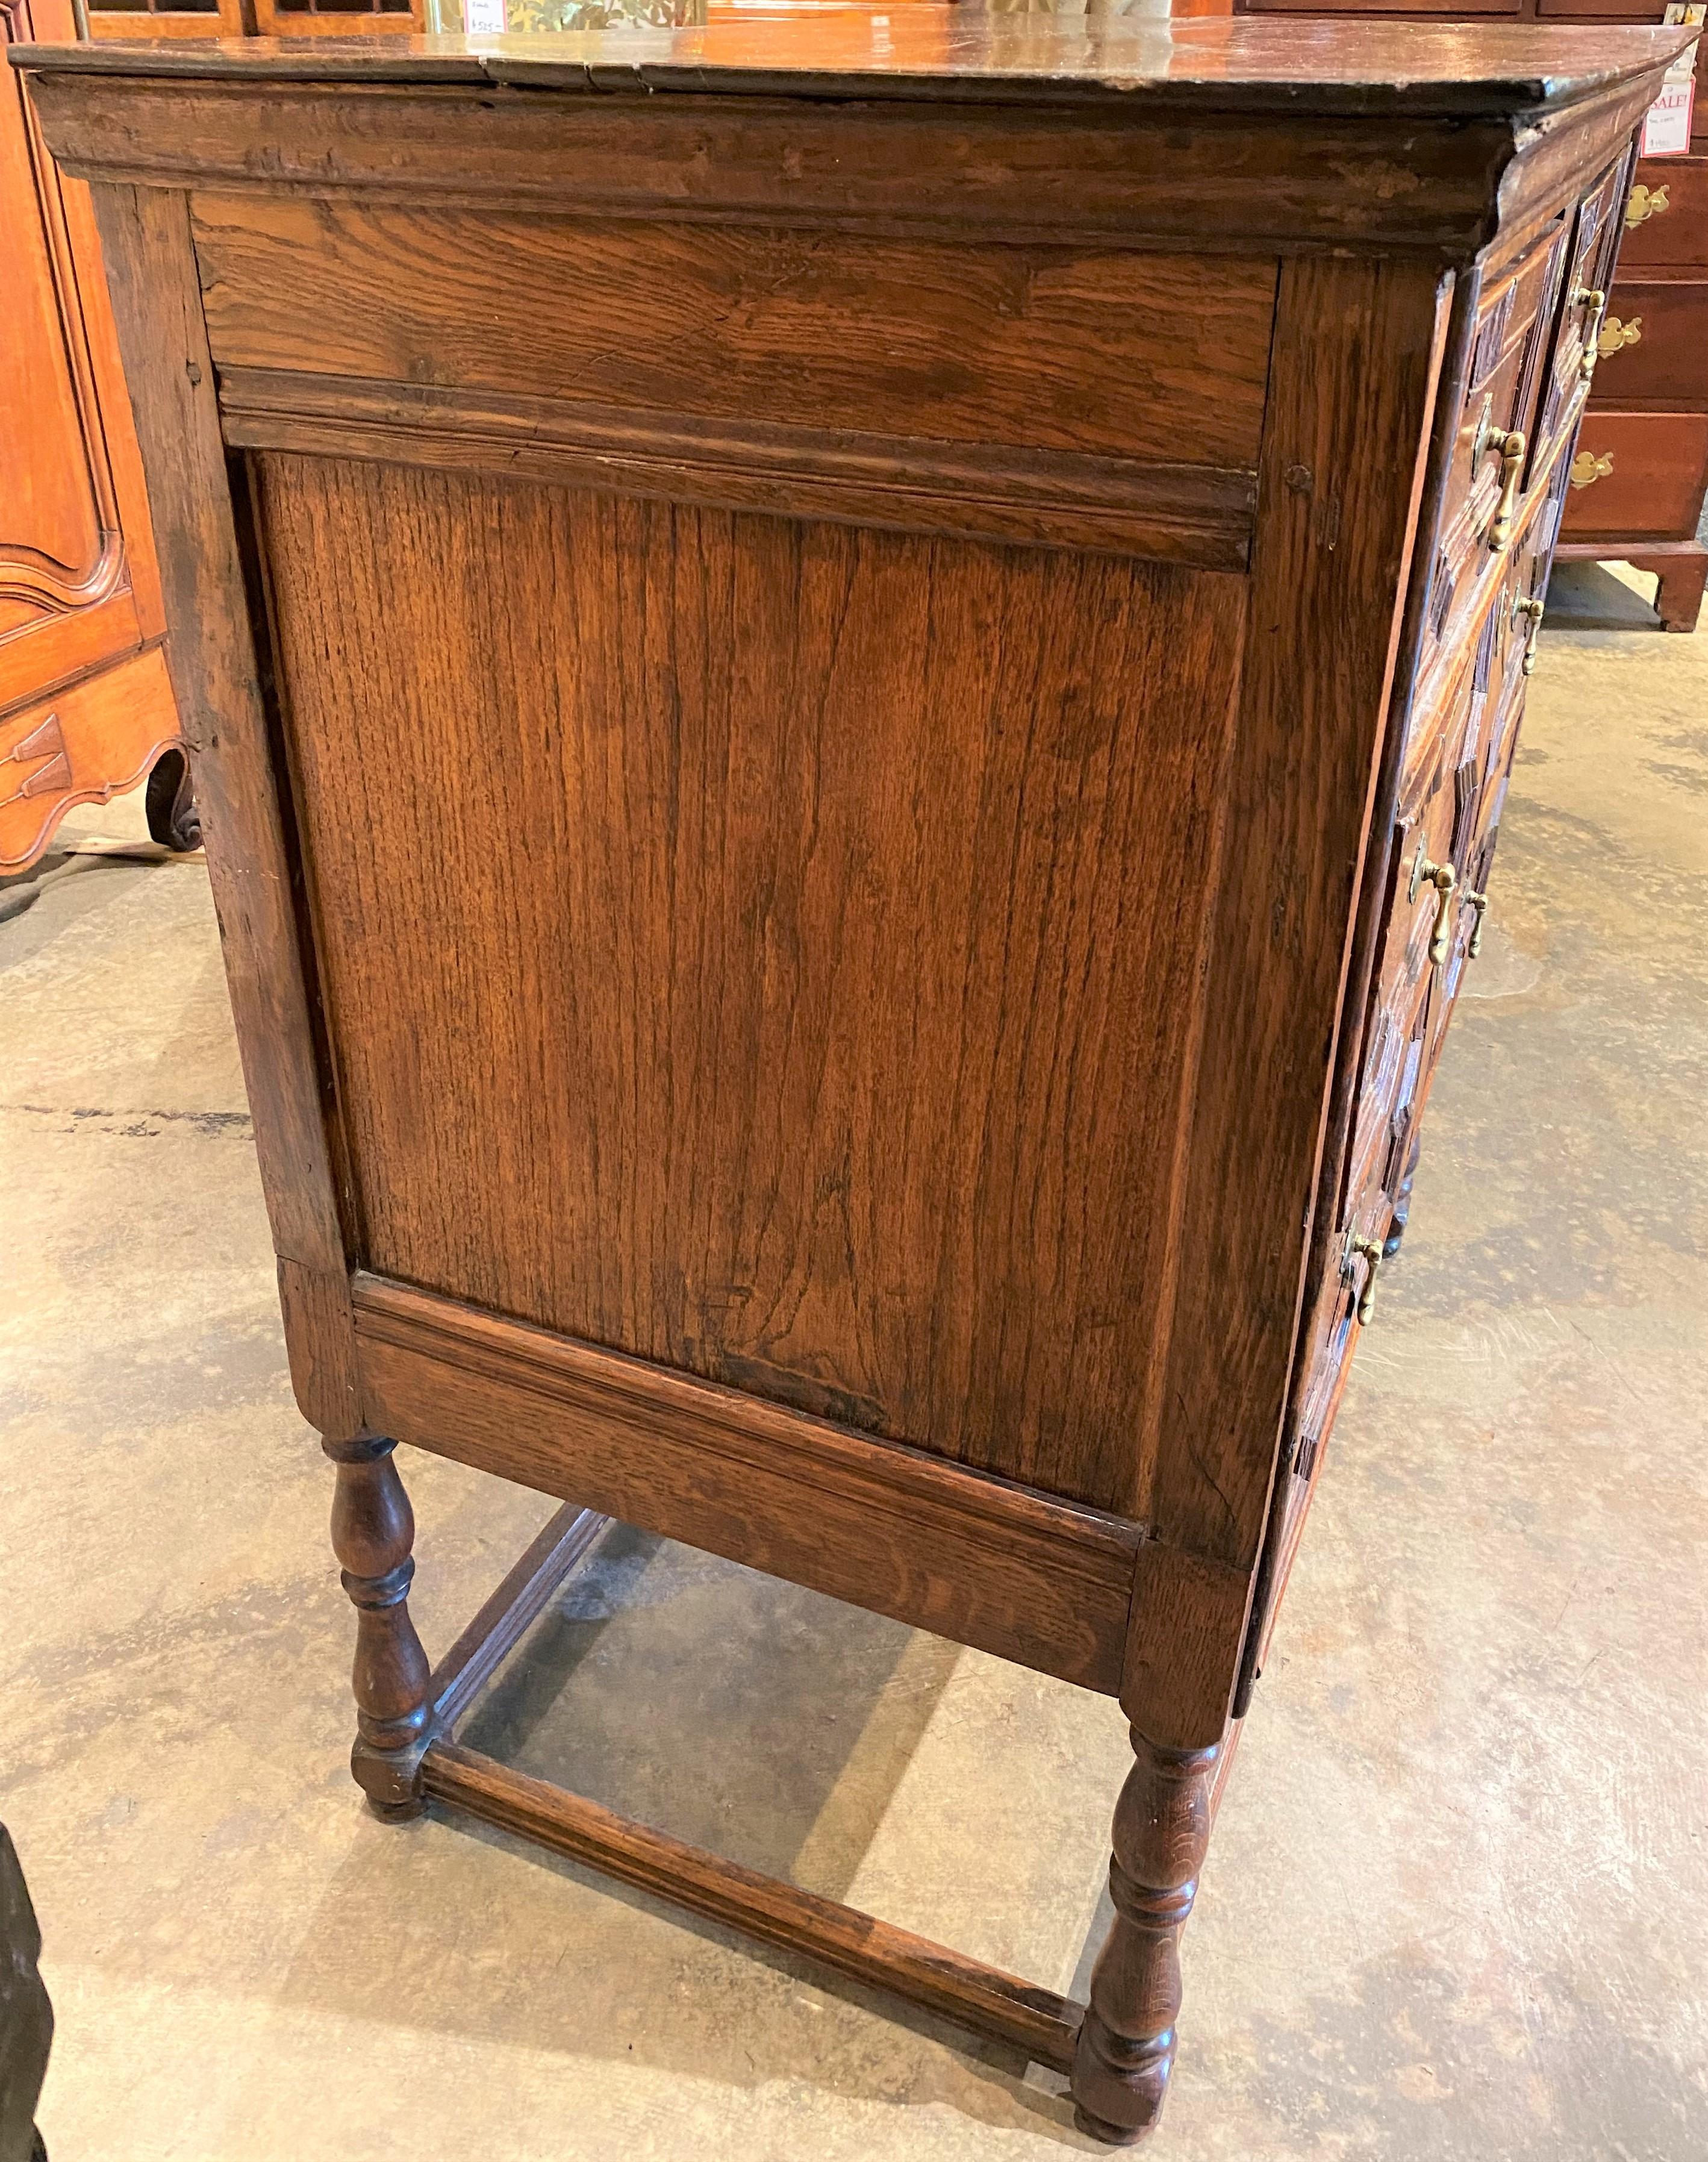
(1127, 2042)
(373, 1529)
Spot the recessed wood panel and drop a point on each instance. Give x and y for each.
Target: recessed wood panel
(1103, 351)
(769, 948)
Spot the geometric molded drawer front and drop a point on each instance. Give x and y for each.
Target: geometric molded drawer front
(1071, 376)
(1655, 344)
(1636, 474)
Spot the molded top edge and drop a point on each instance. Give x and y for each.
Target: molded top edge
(903, 49)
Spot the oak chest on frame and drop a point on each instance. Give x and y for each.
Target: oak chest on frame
(852, 729)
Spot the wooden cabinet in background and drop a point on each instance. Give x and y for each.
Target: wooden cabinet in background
(85, 704)
(1638, 490)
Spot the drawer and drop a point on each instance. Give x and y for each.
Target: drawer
(1594, 247)
(1654, 345)
(1452, 704)
(1526, 378)
(1637, 476)
(1481, 811)
(1666, 215)
(1515, 316)
(89, 743)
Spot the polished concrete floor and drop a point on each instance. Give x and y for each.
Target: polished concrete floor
(1456, 1906)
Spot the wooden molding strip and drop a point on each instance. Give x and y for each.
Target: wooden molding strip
(1066, 174)
(1044, 1582)
(1035, 2021)
(1197, 514)
(563, 1545)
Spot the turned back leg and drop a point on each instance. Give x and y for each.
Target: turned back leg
(1126, 2043)
(373, 1529)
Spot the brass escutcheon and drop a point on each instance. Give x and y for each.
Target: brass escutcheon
(1588, 467)
(1643, 203)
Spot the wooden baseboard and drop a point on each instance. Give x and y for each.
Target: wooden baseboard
(1043, 1582)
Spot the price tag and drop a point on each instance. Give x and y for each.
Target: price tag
(485, 19)
(1666, 131)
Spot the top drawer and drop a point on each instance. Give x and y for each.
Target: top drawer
(1666, 214)
(1525, 383)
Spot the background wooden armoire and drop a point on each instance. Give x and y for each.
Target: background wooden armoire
(86, 705)
(86, 710)
(1638, 486)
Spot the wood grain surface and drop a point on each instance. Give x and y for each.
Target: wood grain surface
(212, 653)
(1035, 2021)
(978, 1559)
(767, 948)
(1358, 348)
(1112, 352)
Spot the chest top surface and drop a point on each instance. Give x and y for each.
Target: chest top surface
(900, 51)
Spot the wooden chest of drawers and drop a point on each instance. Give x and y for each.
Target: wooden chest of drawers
(852, 728)
(1640, 492)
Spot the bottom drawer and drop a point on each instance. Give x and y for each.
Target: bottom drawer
(80, 747)
(1637, 476)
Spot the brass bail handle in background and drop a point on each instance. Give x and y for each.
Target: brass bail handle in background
(1643, 203)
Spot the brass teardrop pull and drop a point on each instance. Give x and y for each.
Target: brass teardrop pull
(1595, 300)
(1444, 878)
(1511, 448)
(1369, 1251)
(1479, 902)
(1534, 610)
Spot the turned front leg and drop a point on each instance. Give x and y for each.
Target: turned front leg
(373, 1529)
(1127, 2042)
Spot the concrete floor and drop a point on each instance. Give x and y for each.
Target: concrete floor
(1454, 1907)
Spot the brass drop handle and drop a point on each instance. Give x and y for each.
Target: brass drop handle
(1595, 300)
(1479, 902)
(1535, 610)
(1444, 878)
(1511, 448)
(1645, 203)
(1616, 335)
(1589, 467)
(1369, 1251)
